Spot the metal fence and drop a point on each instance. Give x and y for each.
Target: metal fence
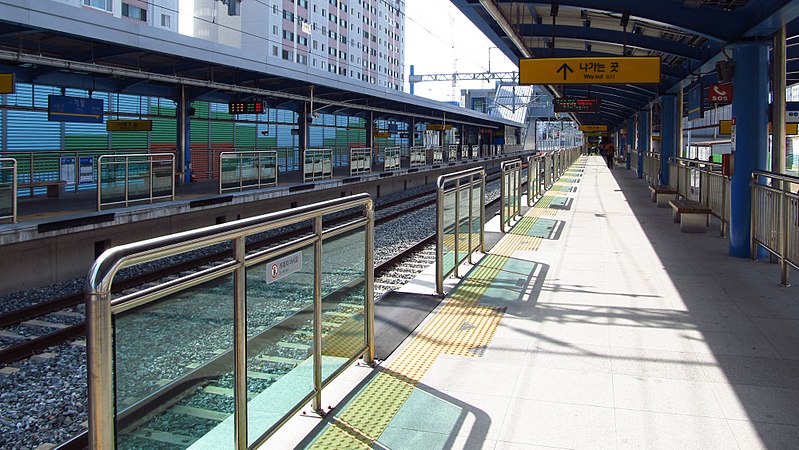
(360, 161)
(139, 178)
(391, 160)
(652, 168)
(475, 151)
(229, 320)
(318, 164)
(634, 160)
(510, 192)
(460, 216)
(705, 183)
(8, 189)
(247, 170)
(418, 156)
(775, 218)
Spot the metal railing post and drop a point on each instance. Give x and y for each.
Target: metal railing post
(784, 224)
(369, 271)
(317, 316)
(482, 213)
(471, 218)
(240, 344)
(457, 224)
(440, 239)
(752, 221)
(100, 374)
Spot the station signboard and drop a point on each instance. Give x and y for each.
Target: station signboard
(129, 125)
(6, 83)
(593, 128)
(438, 127)
(61, 108)
(590, 70)
(382, 134)
(576, 105)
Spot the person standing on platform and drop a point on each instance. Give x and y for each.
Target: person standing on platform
(610, 151)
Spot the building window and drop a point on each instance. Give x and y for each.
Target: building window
(99, 4)
(166, 21)
(302, 59)
(287, 55)
(274, 50)
(134, 12)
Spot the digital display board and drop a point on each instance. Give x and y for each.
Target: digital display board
(576, 105)
(245, 108)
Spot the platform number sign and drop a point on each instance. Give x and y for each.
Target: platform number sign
(792, 112)
(283, 267)
(720, 93)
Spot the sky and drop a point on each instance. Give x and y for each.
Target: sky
(439, 39)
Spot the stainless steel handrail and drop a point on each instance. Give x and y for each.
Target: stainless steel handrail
(5, 165)
(150, 159)
(510, 182)
(775, 218)
(474, 178)
(258, 157)
(100, 309)
(535, 176)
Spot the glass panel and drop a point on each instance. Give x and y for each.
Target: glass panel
(190, 365)
(162, 178)
(6, 188)
(449, 232)
(112, 182)
(343, 290)
(138, 179)
(230, 172)
(477, 198)
(279, 338)
(463, 224)
(249, 175)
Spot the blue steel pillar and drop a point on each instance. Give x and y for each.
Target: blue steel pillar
(668, 135)
(632, 132)
(643, 139)
(749, 110)
(183, 164)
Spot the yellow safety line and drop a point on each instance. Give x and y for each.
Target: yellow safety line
(461, 326)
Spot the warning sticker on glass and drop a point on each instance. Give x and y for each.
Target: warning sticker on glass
(283, 267)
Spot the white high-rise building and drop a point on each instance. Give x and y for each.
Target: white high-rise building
(354, 39)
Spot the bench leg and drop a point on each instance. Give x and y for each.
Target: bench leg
(693, 223)
(675, 215)
(663, 200)
(54, 191)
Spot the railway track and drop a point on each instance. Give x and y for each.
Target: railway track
(27, 331)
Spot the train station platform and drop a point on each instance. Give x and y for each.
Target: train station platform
(594, 323)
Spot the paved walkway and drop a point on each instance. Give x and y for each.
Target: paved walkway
(594, 324)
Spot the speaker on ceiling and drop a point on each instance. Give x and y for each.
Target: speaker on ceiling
(724, 71)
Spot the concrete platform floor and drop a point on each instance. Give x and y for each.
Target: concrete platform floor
(630, 335)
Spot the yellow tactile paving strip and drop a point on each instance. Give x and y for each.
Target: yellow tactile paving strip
(461, 326)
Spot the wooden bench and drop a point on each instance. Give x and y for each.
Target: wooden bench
(662, 195)
(53, 186)
(692, 216)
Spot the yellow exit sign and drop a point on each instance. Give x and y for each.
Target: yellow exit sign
(438, 126)
(6, 83)
(129, 125)
(593, 128)
(599, 70)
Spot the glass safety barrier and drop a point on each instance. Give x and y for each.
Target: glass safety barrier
(510, 192)
(652, 168)
(318, 164)
(438, 155)
(8, 190)
(391, 160)
(223, 356)
(360, 161)
(418, 156)
(126, 179)
(775, 218)
(535, 178)
(475, 151)
(460, 219)
(247, 170)
(452, 153)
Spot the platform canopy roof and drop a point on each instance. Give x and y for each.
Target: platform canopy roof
(689, 36)
(50, 43)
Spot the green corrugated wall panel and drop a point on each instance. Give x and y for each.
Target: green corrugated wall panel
(222, 132)
(129, 139)
(164, 132)
(245, 136)
(77, 142)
